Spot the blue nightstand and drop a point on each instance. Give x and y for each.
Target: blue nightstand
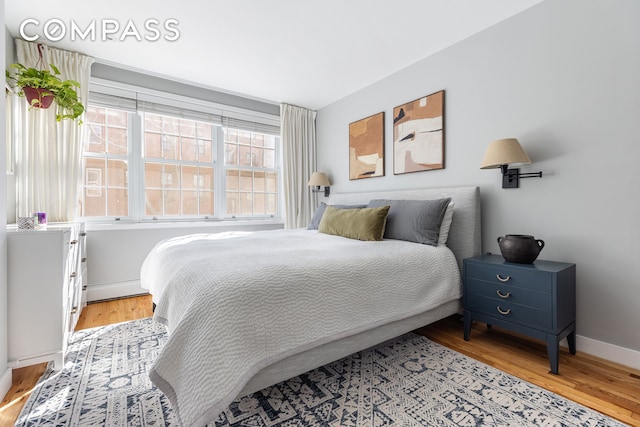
(538, 300)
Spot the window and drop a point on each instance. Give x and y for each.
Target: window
(106, 163)
(251, 173)
(178, 167)
(151, 161)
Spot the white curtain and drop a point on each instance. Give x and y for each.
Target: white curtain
(298, 130)
(49, 153)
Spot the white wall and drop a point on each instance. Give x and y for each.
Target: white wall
(115, 254)
(5, 372)
(564, 78)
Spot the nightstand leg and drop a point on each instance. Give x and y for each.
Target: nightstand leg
(571, 341)
(467, 325)
(553, 348)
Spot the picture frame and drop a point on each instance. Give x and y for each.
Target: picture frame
(366, 147)
(418, 135)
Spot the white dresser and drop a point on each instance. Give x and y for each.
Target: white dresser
(45, 291)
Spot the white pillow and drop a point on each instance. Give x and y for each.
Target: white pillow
(446, 224)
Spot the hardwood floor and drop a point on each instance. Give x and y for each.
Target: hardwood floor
(604, 386)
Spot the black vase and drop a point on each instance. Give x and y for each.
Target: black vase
(520, 248)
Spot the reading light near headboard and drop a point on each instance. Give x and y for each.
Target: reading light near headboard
(318, 180)
(504, 152)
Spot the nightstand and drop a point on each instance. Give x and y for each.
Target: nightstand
(537, 300)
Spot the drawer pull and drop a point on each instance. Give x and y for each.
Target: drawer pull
(74, 310)
(73, 242)
(501, 295)
(501, 311)
(503, 279)
(74, 274)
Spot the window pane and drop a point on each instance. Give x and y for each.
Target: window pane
(188, 128)
(153, 202)
(244, 155)
(257, 140)
(206, 178)
(246, 203)
(231, 154)
(118, 202)
(153, 175)
(189, 149)
(204, 150)
(259, 204)
(246, 180)
(117, 118)
(257, 157)
(152, 122)
(96, 115)
(171, 202)
(233, 182)
(190, 177)
(190, 202)
(259, 183)
(153, 145)
(117, 174)
(171, 176)
(204, 130)
(96, 139)
(233, 203)
(269, 158)
(171, 147)
(270, 141)
(272, 182)
(170, 125)
(244, 137)
(206, 203)
(95, 202)
(272, 204)
(117, 140)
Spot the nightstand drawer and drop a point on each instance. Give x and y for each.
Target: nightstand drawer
(511, 294)
(516, 276)
(508, 311)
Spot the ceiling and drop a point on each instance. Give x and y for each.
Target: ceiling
(303, 52)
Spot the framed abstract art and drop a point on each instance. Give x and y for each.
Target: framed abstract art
(418, 135)
(366, 147)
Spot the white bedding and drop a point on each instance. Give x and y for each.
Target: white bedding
(235, 303)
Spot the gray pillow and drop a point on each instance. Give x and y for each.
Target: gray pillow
(317, 215)
(413, 220)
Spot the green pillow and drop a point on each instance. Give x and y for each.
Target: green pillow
(361, 224)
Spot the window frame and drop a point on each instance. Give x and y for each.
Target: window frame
(136, 160)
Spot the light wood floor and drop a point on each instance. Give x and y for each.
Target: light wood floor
(604, 386)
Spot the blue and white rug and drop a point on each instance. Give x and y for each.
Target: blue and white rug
(410, 381)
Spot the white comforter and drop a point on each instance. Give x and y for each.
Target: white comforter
(234, 304)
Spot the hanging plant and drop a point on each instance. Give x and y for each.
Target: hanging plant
(42, 87)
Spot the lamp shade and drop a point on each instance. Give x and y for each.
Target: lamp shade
(504, 152)
(319, 179)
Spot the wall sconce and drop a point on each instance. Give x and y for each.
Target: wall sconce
(504, 152)
(318, 180)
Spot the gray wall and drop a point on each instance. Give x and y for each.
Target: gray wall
(564, 78)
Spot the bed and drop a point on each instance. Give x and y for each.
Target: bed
(304, 299)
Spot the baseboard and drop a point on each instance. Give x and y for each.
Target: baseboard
(5, 382)
(114, 290)
(611, 352)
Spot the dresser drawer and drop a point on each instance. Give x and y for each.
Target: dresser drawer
(515, 276)
(508, 311)
(509, 293)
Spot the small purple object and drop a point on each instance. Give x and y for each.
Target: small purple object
(42, 218)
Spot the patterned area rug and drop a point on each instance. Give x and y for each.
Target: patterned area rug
(409, 381)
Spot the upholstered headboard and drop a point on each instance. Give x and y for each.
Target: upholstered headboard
(465, 239)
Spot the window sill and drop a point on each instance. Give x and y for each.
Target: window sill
(150, 225)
